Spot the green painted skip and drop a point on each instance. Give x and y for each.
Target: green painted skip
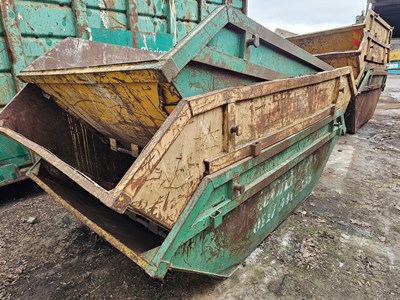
(13, 157)
(226, 32)
(30, 28)
(365, 80)
(209, 239)
(160, 42)
(370, 79)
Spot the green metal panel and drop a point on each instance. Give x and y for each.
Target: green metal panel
(264, 176)
(217, 249)
(362, 107)
(30, 28)
(394, 68)
(34, 27)
(261, 54)
(8, 87)
(205, 239)
(229, 34)
(13, 160)
(146, 41)
(13, 157)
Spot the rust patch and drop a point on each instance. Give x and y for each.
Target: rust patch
(361, 109)
(78, 53)
(133, 21)
(35, 117)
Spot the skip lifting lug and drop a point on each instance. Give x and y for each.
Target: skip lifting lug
(238, 189)
(254, 41)
(237, 130)
(340, 123)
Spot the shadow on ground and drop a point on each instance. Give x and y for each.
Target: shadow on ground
(19, 190)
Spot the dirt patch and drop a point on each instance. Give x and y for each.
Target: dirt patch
(342, 243)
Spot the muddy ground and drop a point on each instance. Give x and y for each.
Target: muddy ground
(342, 243)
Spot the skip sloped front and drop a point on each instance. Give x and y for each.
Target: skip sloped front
(365, 47)
(252, 153)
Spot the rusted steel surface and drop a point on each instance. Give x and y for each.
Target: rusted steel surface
(347, 58)
(133, 19)
(33, 27)
(365, 47)
(13, 37)
(361, 46)
(258, 215)
(253, 152)
(59, 132)
(163, 151)
(28, 29)
(81, 19)
(14, 159)
(126, 94)
(159, 183)
(77, 53)
(338, 47)
(362, 109)
(200, 228)
(332, 40)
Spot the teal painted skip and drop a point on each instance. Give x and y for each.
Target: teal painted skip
(15, 160)
(394, 68)
(370, 78)
(222, 41)
(365, 81)
(208, 238)
(155, 27)
(30, 28)
(13, 157)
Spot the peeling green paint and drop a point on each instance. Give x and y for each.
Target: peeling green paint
(30, 28)
(195, 245)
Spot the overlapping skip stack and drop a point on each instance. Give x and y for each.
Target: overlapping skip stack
(365, 47)
(162, 152)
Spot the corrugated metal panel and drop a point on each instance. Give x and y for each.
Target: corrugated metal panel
(43, 24)
(6, 82)
(29, 28)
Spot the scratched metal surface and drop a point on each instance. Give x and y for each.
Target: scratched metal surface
(361, 46)
(365, 47)
(30, 28)
(293, 153)
(78, 53)
(208, 239)
(169, 161)
(189, 218)
(126, 97)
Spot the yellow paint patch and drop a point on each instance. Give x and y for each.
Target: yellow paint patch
(126, 106)
(395, 55)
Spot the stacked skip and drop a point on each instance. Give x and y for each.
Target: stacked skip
(187, 159)
(28, 29)
(365, 47)
(390, 11)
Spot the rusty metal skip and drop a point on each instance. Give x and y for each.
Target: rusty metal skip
(365, 47)
(162, 153)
